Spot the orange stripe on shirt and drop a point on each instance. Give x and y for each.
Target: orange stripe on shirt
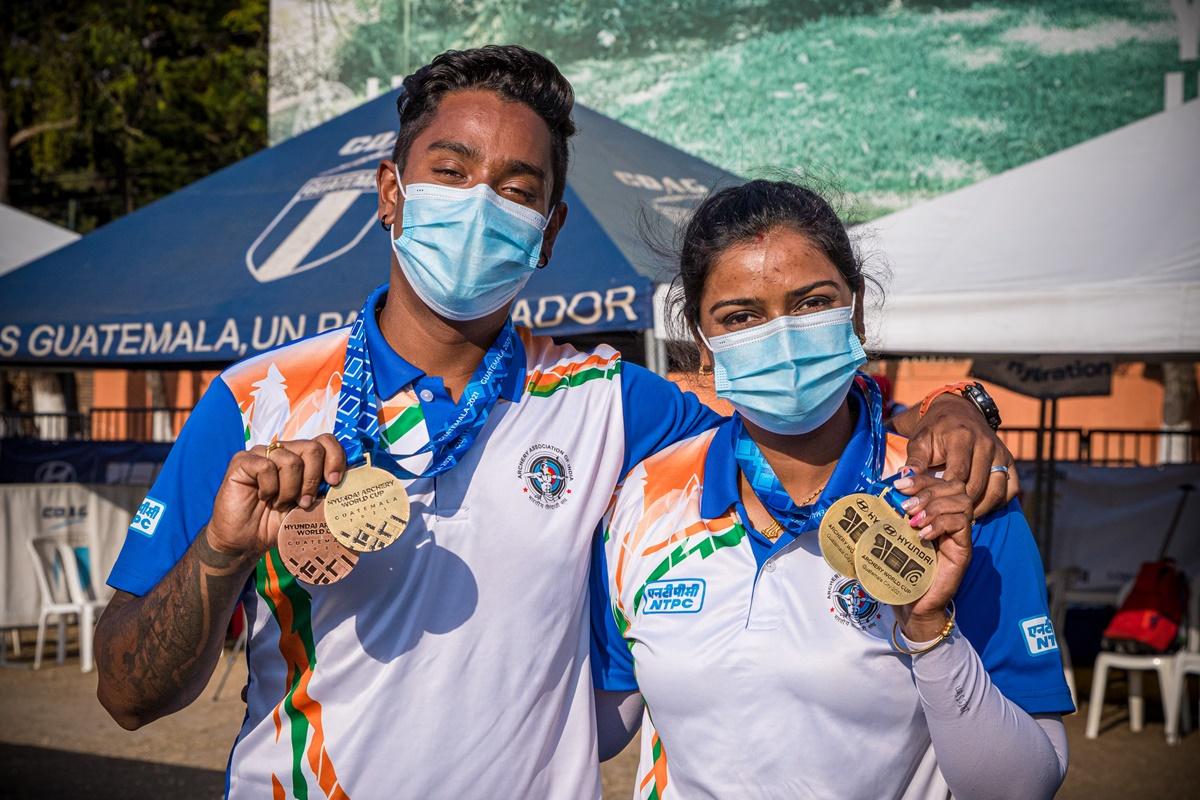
(292, 648)
(549, 377)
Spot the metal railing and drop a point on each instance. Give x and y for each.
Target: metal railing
(51, 427)
(1110, 447)
(100, 424)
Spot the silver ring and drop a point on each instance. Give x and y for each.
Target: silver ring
(999, 468)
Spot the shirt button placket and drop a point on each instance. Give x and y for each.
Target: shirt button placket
(763, 610)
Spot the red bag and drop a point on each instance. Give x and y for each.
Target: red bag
(1148, 621)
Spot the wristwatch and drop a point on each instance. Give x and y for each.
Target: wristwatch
(973, 391)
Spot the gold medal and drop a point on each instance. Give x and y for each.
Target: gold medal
(893, 563)
(844, 524)
(368, 510)
(309, 550)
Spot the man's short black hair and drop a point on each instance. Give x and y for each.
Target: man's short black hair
(512, 72)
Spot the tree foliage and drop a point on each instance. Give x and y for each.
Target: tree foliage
(113, 104)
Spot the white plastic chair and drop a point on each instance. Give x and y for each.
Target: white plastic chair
(63, 593)
(1058, 585)
(15, 634)
(1136, 666)
(1187, 662)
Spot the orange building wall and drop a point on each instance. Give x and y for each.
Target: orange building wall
(1136, 399)
(1135, 402)
(119, 388)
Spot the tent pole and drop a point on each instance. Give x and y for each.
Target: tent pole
(656, 353)
(651, 350)
(1051, 480)
(1038, 472)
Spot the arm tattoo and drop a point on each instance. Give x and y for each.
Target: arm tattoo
(156, 652)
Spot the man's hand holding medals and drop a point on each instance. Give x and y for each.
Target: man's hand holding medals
(266, 483)
(270, 495)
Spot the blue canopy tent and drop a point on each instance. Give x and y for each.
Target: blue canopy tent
(285, 243)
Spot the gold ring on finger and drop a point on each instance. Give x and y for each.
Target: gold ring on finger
(272, 447)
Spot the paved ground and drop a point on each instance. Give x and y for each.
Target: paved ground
(56, 742)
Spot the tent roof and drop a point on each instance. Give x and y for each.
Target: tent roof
(1095, 249)
(285, 243)
(24, 237)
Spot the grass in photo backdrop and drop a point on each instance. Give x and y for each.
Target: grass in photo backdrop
(902, 100)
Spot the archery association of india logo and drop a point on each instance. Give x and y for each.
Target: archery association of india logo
(850, 604)
(545, 474)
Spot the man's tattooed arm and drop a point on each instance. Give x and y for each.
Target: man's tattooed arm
(155, 653)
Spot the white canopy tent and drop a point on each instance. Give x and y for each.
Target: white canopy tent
(1095, 249)
(24, 237)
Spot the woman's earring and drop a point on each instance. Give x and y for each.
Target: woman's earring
(705, 370)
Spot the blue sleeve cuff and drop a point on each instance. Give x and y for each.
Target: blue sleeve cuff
(612, 662)
(1052, 701)
(1000, 603)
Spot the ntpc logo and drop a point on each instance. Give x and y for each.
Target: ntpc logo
(145, 521)
(683, 596)
(1039, 635)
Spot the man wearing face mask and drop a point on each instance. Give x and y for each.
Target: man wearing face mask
(454, 661)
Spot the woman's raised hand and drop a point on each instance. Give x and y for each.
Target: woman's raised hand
(942, 512)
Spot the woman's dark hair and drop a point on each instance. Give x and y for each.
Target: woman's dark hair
(737, 214)
(514, 73)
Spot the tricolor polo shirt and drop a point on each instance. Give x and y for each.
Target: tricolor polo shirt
(453, 663)
(765, 673)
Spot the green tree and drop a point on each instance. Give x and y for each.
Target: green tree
(113, 104)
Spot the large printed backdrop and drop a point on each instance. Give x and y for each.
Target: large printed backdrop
(893, 101)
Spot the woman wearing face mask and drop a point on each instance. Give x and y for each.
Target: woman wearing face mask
(763, 671)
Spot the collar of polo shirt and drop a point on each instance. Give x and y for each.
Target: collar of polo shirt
(720, 489)
(393, 373)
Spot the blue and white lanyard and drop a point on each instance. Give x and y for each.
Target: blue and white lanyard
(357, 423)
(770, 492)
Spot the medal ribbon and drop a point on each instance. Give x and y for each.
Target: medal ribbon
(770, 492)
(357, 424)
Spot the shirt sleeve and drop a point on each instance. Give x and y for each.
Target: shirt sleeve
(612, 661)
(1002, 610)
(657, 414)
(180, 501)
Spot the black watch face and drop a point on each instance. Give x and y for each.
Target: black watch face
(987, 406)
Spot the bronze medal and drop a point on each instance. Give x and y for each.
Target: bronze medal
(844, 524)
(894, 564)
(368, 510)
(309, 550)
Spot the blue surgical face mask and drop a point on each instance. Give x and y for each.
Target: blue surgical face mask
(466, 252)
(791, 374)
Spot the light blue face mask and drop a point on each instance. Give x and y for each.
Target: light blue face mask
(791, 374)
(466, 252)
